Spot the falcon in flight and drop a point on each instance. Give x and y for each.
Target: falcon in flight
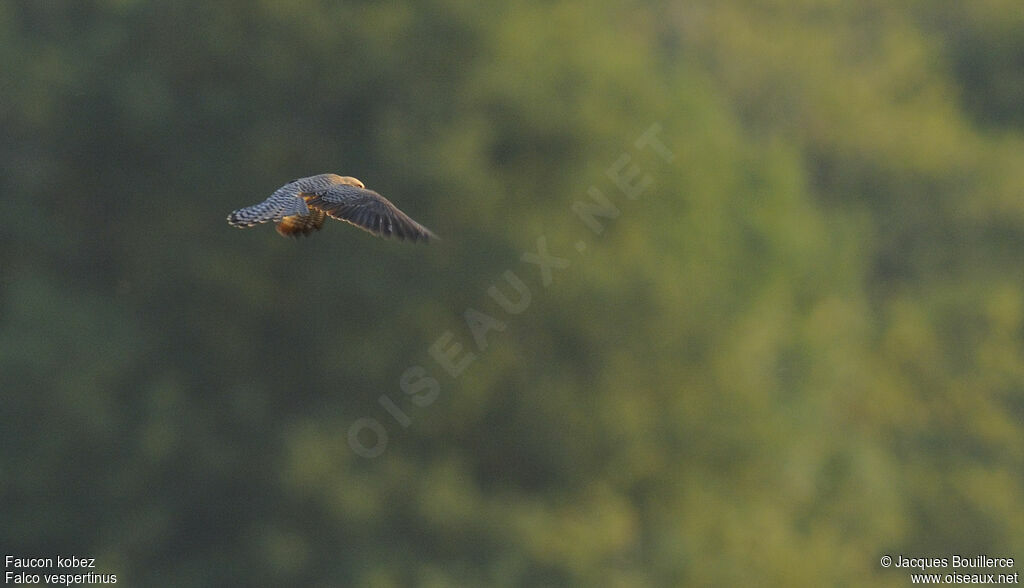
(300, 207)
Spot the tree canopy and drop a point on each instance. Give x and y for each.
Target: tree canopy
(727, 292)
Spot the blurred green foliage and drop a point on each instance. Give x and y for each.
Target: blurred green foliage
(799, 349)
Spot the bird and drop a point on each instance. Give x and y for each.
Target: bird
(300, 207)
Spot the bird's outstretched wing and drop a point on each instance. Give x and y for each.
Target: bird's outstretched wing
(284, 202)
(367, 210)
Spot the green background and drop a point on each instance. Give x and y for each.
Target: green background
(798, 350)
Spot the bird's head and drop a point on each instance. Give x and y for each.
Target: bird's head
(348, 181)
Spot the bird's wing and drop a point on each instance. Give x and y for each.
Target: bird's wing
(284, 202)
(367, 210)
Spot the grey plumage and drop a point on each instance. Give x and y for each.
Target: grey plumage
(299, 207)
(369, 211)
